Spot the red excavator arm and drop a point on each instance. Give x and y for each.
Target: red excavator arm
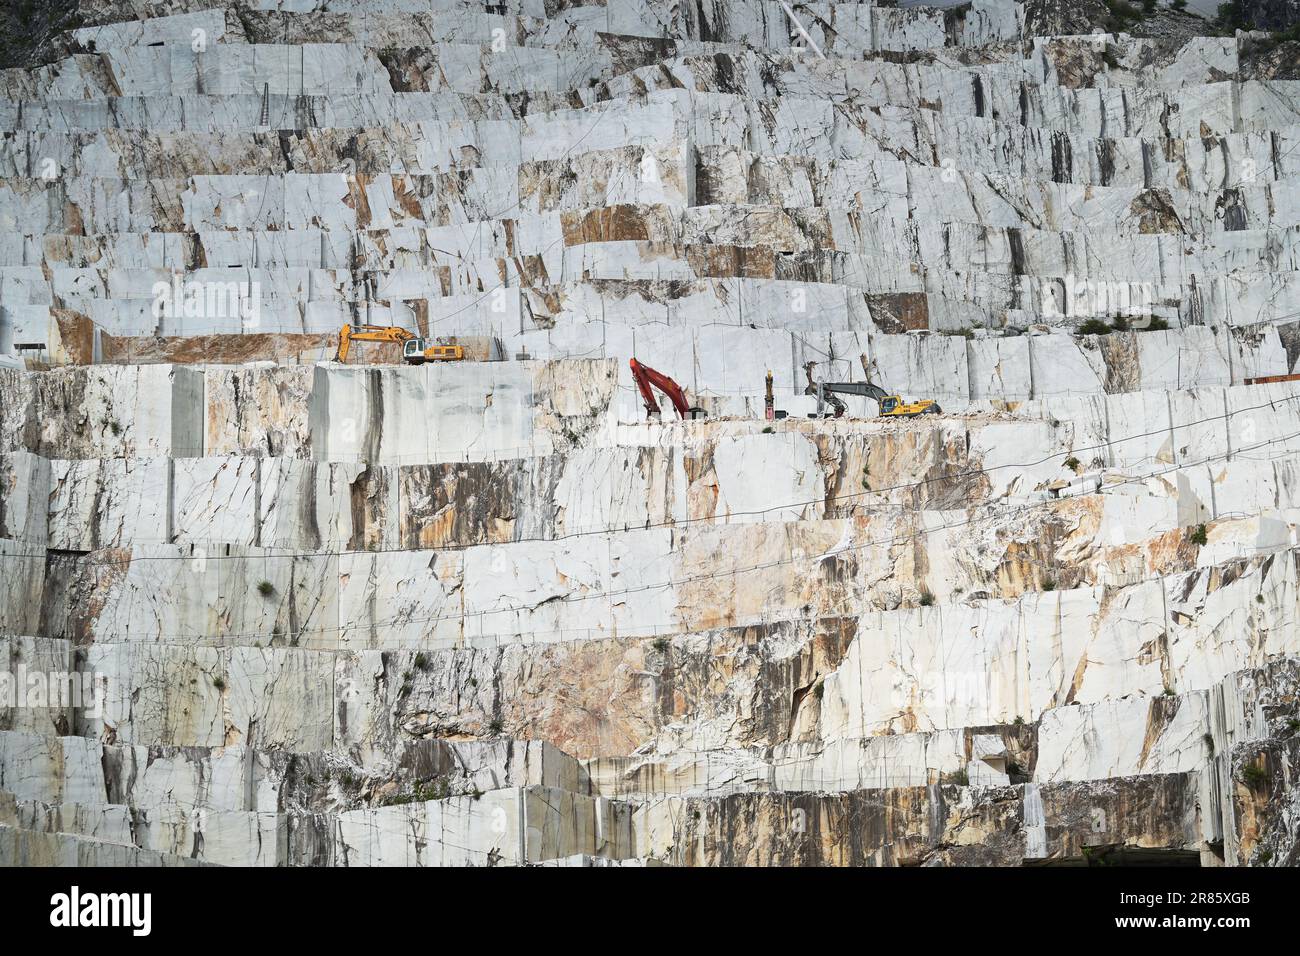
(646, 376)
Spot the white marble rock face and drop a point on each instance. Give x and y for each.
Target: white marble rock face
(260, 608)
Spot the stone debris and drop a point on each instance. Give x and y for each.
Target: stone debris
(260, 608)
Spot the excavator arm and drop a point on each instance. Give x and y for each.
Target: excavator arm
(646, 377)
(368, 333)
(826, 391)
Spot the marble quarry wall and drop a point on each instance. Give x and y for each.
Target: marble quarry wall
(258, 607)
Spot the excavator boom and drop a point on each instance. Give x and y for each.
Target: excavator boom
(646, 377)
(368, 333)
(826, 391)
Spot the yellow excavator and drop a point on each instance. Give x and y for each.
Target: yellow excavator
(891, 406)
(414, 349)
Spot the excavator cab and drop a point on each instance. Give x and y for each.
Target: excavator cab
(415, 352)
(894, 407)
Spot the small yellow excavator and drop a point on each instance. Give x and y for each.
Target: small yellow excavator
(414, 349)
